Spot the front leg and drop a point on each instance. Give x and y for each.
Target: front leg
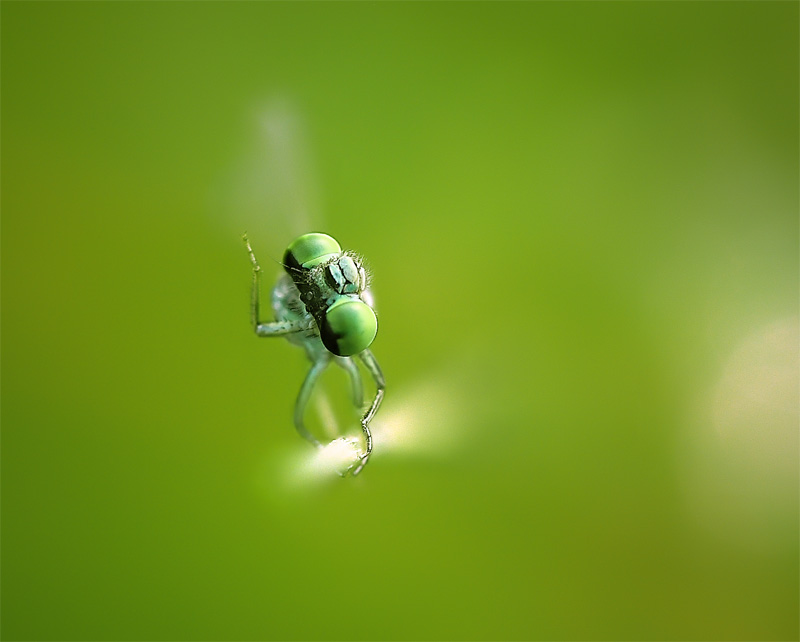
(374, 369)
(317, 368)
(357, 392)
(275, 328)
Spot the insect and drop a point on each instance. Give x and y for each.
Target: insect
(323, 305)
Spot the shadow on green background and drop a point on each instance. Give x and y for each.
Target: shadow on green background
(582, 224)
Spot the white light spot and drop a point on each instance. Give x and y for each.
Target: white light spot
(743, 459)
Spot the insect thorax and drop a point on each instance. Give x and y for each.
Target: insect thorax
(286, 303)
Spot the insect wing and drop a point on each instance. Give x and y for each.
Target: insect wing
(270, 190)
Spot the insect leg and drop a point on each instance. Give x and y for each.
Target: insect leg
(355, 380)
(375, 370)
(304, 395)
(276, 328)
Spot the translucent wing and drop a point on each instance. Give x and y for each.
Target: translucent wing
(270, 190)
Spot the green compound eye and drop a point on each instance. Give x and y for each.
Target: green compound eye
(309, 250)
(349, 327)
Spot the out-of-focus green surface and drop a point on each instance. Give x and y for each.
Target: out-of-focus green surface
(583, 225)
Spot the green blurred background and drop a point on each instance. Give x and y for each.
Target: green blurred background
(582, 221)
